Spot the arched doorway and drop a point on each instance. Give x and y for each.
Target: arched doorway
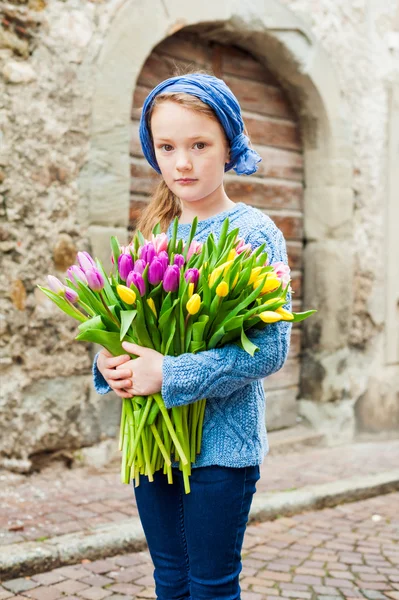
(277, 186)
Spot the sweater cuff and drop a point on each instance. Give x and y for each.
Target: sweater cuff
(100, 385)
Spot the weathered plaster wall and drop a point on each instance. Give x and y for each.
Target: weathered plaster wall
(49, 69)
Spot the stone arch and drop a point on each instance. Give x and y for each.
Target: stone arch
(284, 43)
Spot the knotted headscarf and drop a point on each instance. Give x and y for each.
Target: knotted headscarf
(218, 95)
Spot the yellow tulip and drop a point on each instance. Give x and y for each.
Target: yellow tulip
(215, 274)
(232, 254)
(151, 304)
(193, 305)
(233, 285)
(271, 283)
(222, 289)
(126, 294)
(287, 316)
(190, 289)
(254, 274)
(269, 316)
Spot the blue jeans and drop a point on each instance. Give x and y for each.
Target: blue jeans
(195, 539)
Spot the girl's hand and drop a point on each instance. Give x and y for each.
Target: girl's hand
(146, 370)
(116, 379)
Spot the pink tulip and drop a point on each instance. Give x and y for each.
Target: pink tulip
(86, 261)
(139, 266)
(160, 242)
(56, 285)
(195, 248)
(155, 271)
(282, 271)
(192, 276)
(164, 258)
(95, 280)
(76, 274)
(71, 295)
(171, 279)
(147, 252)
(125, 265)
(137, 280)
(179, 260)
(242, 246)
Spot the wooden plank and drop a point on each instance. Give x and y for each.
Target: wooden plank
(279, 164)
(264, 193)
(269, 132)
(260, 97)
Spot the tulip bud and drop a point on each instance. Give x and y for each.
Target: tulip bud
(269, 316)
(137, 280)
(155, 271)
(160, 242)
(76, 274)
(193, 305)
(271, 283)
(125, 265)
(232, 254)
(190, 289)
(71, 295)
(194, 248)
(139, 266)
(164, 258)
(95, 280)
(254, 274)
(192, 276)
(151, 304)
(56, 285)
(179, 260)
(127, 295)
(147, 252)
(222, 289)
(86, 261)
(171, 279)
(287, 316)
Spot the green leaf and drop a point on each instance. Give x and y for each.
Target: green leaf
(107, 339)
(116, 250)
(247, 345)
(93, 323)
(157, 229)
(302, 316)
(127, 317)
(109, 292)
(193, 229)
(63, 304)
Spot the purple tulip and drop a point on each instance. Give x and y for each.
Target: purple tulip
(137, 280)
(139, 266)
(171, 279)
(179, 260)
(147, 252)
(76, 274)
(71, 295)
(125, 265)
(192, 276)
(86, 261)
(56, 285)
(155, 271)
(95, 280)
(164, 258)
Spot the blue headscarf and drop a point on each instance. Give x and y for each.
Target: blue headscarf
(217, 94)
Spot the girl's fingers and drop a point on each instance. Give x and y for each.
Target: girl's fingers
(114, 361)
(116, 375)
(124, 383)
(122, 394)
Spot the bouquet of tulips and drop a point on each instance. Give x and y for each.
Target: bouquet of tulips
(174, 297)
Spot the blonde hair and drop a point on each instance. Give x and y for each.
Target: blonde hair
(164, 205)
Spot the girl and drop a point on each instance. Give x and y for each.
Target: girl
(191, 132)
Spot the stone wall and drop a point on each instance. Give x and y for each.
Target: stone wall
(65, 151)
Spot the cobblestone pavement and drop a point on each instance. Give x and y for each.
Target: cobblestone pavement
(60, 500)
(350, 551)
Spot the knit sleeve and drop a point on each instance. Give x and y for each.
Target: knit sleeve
(100, 385)
(221, 371)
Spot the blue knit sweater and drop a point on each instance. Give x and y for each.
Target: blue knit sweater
(234, 430)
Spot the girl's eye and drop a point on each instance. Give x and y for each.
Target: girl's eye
(165, 146)
(201, 144)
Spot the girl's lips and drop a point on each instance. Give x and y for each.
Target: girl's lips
(186, 181)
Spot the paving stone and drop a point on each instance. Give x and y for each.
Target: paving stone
(19, 585)
(44, 593)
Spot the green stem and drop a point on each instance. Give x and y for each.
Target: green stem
(160, 444)
(111, 316)
(200, 424)
(146, 455)
(139, 430)
(168, 422)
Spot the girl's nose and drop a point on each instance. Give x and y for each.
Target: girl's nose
(183, 162)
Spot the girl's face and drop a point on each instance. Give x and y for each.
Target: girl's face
(189, 145)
